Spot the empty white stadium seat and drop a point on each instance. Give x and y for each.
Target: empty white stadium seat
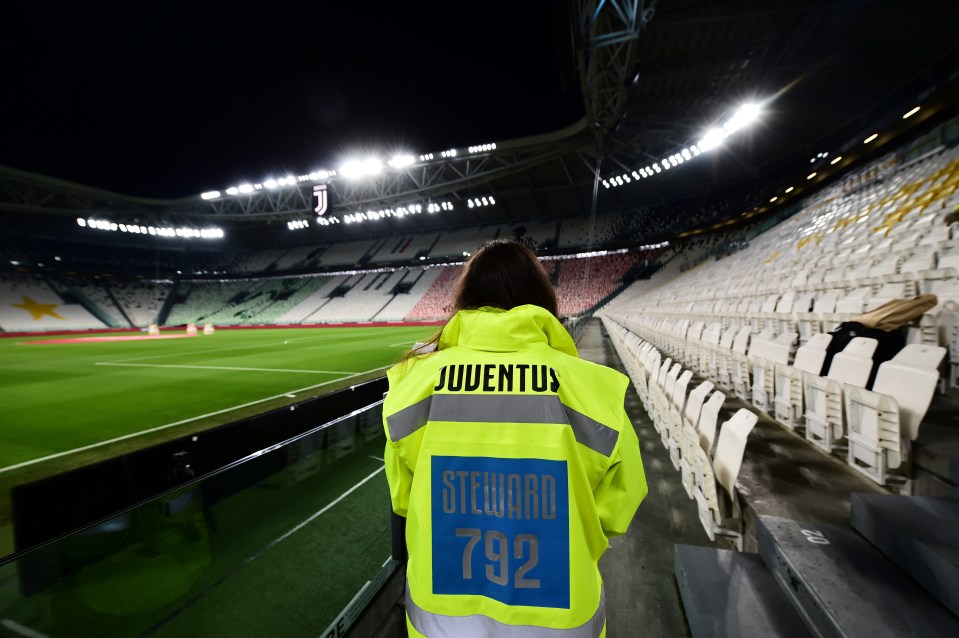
(882, 421)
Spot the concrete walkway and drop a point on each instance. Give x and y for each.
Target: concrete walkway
(642, 598)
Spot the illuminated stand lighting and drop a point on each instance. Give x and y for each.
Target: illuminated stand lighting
(297, 224)
(402, 161)
(362, 168)
(713, 138)
(270, 184)
(426, 157)
(160, 231)
(402, 211)
(449, 153)
(479, 202)
(482, 148)
(327, 221)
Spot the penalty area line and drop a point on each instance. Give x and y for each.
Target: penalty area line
(132, 435)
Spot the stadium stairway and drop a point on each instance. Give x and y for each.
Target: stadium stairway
(638, 566)
(838, 582)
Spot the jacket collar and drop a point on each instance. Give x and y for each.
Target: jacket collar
(498, 330)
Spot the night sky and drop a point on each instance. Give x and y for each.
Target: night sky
(171, 99)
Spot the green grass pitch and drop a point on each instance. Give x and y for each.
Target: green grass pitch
(69, 404)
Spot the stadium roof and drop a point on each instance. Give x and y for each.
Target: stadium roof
(654, 77)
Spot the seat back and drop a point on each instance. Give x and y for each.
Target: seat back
(663, 371)
(759, 345)
(779, 349)
(708, 419)
(910, 378)
(726, 340)
(826, 303)
(741, 342)
(811, 356)
(679, 392)
(694, 404)
(731, 446)
(785, 304)
(671, 380)
(854, 364)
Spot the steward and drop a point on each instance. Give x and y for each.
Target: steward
(513, 461)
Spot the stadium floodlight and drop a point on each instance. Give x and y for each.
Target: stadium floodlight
(911, 112)
(605, 184)
(210, 195)
(811, 175)
(636, 175)
(746, 115)
(713, 138)
(695, 150)
(270, 183)
(870, 138)
(401, 161)
(835, 160)
(319, 175)
(469, 203)
(362, 168)
(790, 189)
(492, 201)
(773, 199)
(245, 188)
(81, 221)
(233, 190)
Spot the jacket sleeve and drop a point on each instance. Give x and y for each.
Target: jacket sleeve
(400, 478)
(623, 487)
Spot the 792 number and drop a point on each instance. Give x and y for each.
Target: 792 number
(496, 547)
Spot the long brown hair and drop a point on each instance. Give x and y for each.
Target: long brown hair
(502, 274)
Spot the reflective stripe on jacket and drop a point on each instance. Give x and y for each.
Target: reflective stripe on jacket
(514, 462)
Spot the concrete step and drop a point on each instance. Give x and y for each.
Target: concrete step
(843, 586)
(918, 534)
(727, 593)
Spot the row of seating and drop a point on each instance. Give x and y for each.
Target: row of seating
(687, 421)
(758, 322)
(872, 428)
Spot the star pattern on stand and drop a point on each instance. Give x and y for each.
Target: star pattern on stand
(38, 310)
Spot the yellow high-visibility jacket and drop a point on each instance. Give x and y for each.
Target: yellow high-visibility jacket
(513, 461)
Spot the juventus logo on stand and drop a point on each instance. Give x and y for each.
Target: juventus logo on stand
(319, 191)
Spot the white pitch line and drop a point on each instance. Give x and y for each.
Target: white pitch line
(175, 423)
(171, 365)
(16, 627)
(314, 515)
